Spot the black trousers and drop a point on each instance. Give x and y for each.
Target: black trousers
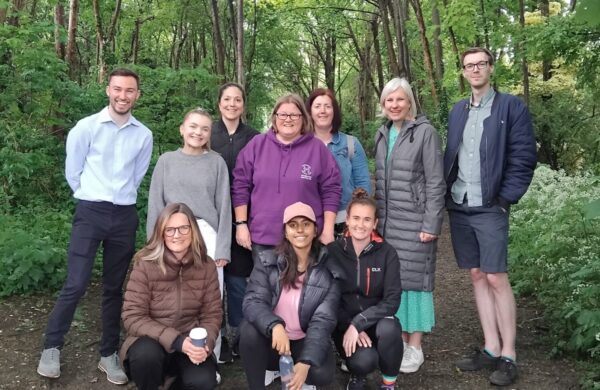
(258, 356)
(148, 363)
(385, 354)
(94, 223)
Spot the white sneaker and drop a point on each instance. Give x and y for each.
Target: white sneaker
(218, 378)
(412, 360)
(270, 377)
(308, 387)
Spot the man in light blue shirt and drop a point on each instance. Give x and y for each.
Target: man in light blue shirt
(108, 154)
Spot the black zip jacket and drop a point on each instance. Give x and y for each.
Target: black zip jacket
(229, 146)
(317, 310)
(370, 283)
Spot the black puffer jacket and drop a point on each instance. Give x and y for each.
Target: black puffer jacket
(318, 302)
(370, 283)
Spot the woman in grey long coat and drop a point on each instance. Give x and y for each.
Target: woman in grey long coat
(410, 199)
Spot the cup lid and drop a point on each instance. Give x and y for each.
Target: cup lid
(198, 333)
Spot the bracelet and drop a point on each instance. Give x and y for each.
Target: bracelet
(237, 223)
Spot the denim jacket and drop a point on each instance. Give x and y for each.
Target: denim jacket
(355, 172)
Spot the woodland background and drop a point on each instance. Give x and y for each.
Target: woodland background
(55, 56)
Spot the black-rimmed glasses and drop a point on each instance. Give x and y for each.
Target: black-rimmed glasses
(183, 230)
(283, 116)
(480, 65)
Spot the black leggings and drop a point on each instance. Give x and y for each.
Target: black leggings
(258, 356)
(386, 352)
(147, 364)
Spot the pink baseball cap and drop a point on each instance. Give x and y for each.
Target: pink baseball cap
(298, 209)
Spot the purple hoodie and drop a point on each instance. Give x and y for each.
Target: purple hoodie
(269, 176)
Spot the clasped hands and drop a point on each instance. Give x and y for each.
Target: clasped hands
(196, 355)
(281, 343)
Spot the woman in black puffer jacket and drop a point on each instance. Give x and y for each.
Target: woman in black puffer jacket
(290, 306)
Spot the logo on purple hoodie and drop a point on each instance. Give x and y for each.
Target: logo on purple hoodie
(306, 172)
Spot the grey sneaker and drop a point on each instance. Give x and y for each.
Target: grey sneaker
(114, 373)
(49, 365)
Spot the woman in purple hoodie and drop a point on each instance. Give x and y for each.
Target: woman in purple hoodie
(285, 165)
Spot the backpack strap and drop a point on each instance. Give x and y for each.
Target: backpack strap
(350, 141)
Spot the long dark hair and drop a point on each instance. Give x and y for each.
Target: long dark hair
(290, 274)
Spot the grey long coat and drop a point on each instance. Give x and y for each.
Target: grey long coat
(410, 190)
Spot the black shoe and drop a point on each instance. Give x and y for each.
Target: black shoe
(505, 374)
(478, 360)
(235, 349)
(225, 356)
(357, 383)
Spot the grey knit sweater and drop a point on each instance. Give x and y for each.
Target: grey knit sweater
(202, 183)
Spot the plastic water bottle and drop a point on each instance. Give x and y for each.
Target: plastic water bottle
(286, 369)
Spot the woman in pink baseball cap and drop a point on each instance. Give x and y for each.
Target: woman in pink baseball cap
(290, 306)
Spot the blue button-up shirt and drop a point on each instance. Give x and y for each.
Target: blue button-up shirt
(469, 163)
(106, 162)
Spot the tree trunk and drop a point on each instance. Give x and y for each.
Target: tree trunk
(71, 54)
(486, 37)
(377, 52)
(17, 7)
(217, 40)
(389, 42)
(59, 24)
(399, 11)
(523, 50)
(437, 43)
(426, 52)
(240, 44)
(33, 10)
(100, 42)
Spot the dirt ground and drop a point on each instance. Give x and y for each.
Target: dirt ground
(23, 320)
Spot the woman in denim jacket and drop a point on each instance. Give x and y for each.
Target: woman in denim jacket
(346, 149)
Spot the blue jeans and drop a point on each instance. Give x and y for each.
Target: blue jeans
(236, 289)
(94, 223)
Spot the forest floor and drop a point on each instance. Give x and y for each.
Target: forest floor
(23, 321)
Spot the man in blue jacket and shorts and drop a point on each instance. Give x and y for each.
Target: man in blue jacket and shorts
(488, 165)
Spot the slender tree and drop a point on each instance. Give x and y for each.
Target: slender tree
(426, 51)
(59, 25)
(71, 54)
(219, 46)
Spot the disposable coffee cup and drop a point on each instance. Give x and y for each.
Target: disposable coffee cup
(198, 336)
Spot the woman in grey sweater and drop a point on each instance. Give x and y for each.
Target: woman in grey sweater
(197, 176)
(410, 193)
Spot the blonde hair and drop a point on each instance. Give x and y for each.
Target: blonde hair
(299, 103)
(154, 250)
(392, 86)
(200, 111)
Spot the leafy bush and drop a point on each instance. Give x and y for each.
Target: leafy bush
(33, 245)
(555, 254)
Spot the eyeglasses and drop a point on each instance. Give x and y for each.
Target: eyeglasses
(283, 116)
(480, 65)
(183, 230)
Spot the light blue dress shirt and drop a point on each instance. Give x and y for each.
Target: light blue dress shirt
(106, 162)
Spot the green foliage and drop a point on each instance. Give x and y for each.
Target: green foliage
(555, 255)
(32, 250)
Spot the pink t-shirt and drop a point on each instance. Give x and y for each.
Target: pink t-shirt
(287, 309)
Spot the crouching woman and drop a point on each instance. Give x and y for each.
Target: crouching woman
(172, 289)
(290, 306)
(368, 335)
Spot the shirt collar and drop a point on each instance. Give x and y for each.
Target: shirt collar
(489, 96)
(104, 117)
